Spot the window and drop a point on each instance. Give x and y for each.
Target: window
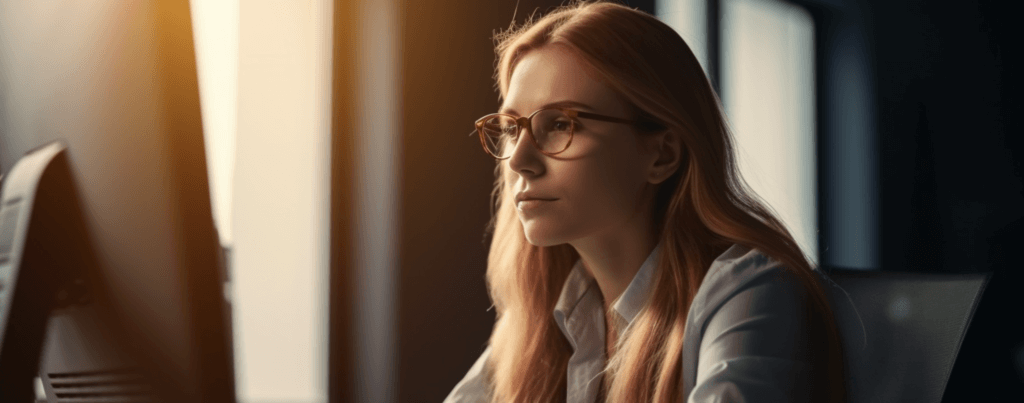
(767, 88)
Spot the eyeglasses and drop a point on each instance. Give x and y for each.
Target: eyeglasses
(550, 128)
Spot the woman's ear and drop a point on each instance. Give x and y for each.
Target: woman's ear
(667, 156)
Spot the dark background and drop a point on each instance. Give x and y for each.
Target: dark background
(948, 87)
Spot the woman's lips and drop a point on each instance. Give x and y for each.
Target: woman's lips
(532, 204)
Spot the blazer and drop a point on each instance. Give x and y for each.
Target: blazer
(746, 336)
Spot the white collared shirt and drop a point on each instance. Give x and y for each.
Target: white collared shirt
(745, 341)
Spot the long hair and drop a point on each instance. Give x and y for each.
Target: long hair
(700, 211)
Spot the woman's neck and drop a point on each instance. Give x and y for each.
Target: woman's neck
(614, 260)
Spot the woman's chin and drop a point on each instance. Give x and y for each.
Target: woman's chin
(542, 242)
(538, 238)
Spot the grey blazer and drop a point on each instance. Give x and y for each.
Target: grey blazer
(746, 336)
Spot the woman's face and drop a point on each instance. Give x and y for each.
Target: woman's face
(599, 182)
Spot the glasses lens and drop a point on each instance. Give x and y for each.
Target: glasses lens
(552, 128)
(500, 135)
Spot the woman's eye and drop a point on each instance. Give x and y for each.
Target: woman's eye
(562, 126)
(511, 134)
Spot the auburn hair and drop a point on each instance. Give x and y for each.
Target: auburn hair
(700, 211)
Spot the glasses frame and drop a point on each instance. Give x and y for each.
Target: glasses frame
(573, 114)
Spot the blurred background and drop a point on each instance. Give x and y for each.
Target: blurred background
(880, 131)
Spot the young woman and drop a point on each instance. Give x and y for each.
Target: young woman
(629, 261)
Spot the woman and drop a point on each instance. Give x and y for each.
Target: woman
(629, 262)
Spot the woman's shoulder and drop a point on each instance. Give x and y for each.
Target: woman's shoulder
(739, 268)
(749, 312)
(475, 386)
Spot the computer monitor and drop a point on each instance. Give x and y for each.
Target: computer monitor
(143, 314)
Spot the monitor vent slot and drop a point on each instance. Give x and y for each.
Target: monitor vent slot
(100, 387)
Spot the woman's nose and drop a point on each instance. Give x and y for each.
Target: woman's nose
(525, 155)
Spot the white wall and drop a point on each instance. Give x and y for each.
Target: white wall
(215, 31)
(264, 70)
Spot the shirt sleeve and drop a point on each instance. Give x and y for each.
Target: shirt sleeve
(755, 346)
(474, 387)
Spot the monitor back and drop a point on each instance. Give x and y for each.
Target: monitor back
(116, 81)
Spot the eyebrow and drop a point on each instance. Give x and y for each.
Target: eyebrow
(565, 103)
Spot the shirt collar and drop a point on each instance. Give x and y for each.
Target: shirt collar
(579, 283)
(576, 287)
(632, 299)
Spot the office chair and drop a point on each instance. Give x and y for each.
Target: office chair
(903, 330)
